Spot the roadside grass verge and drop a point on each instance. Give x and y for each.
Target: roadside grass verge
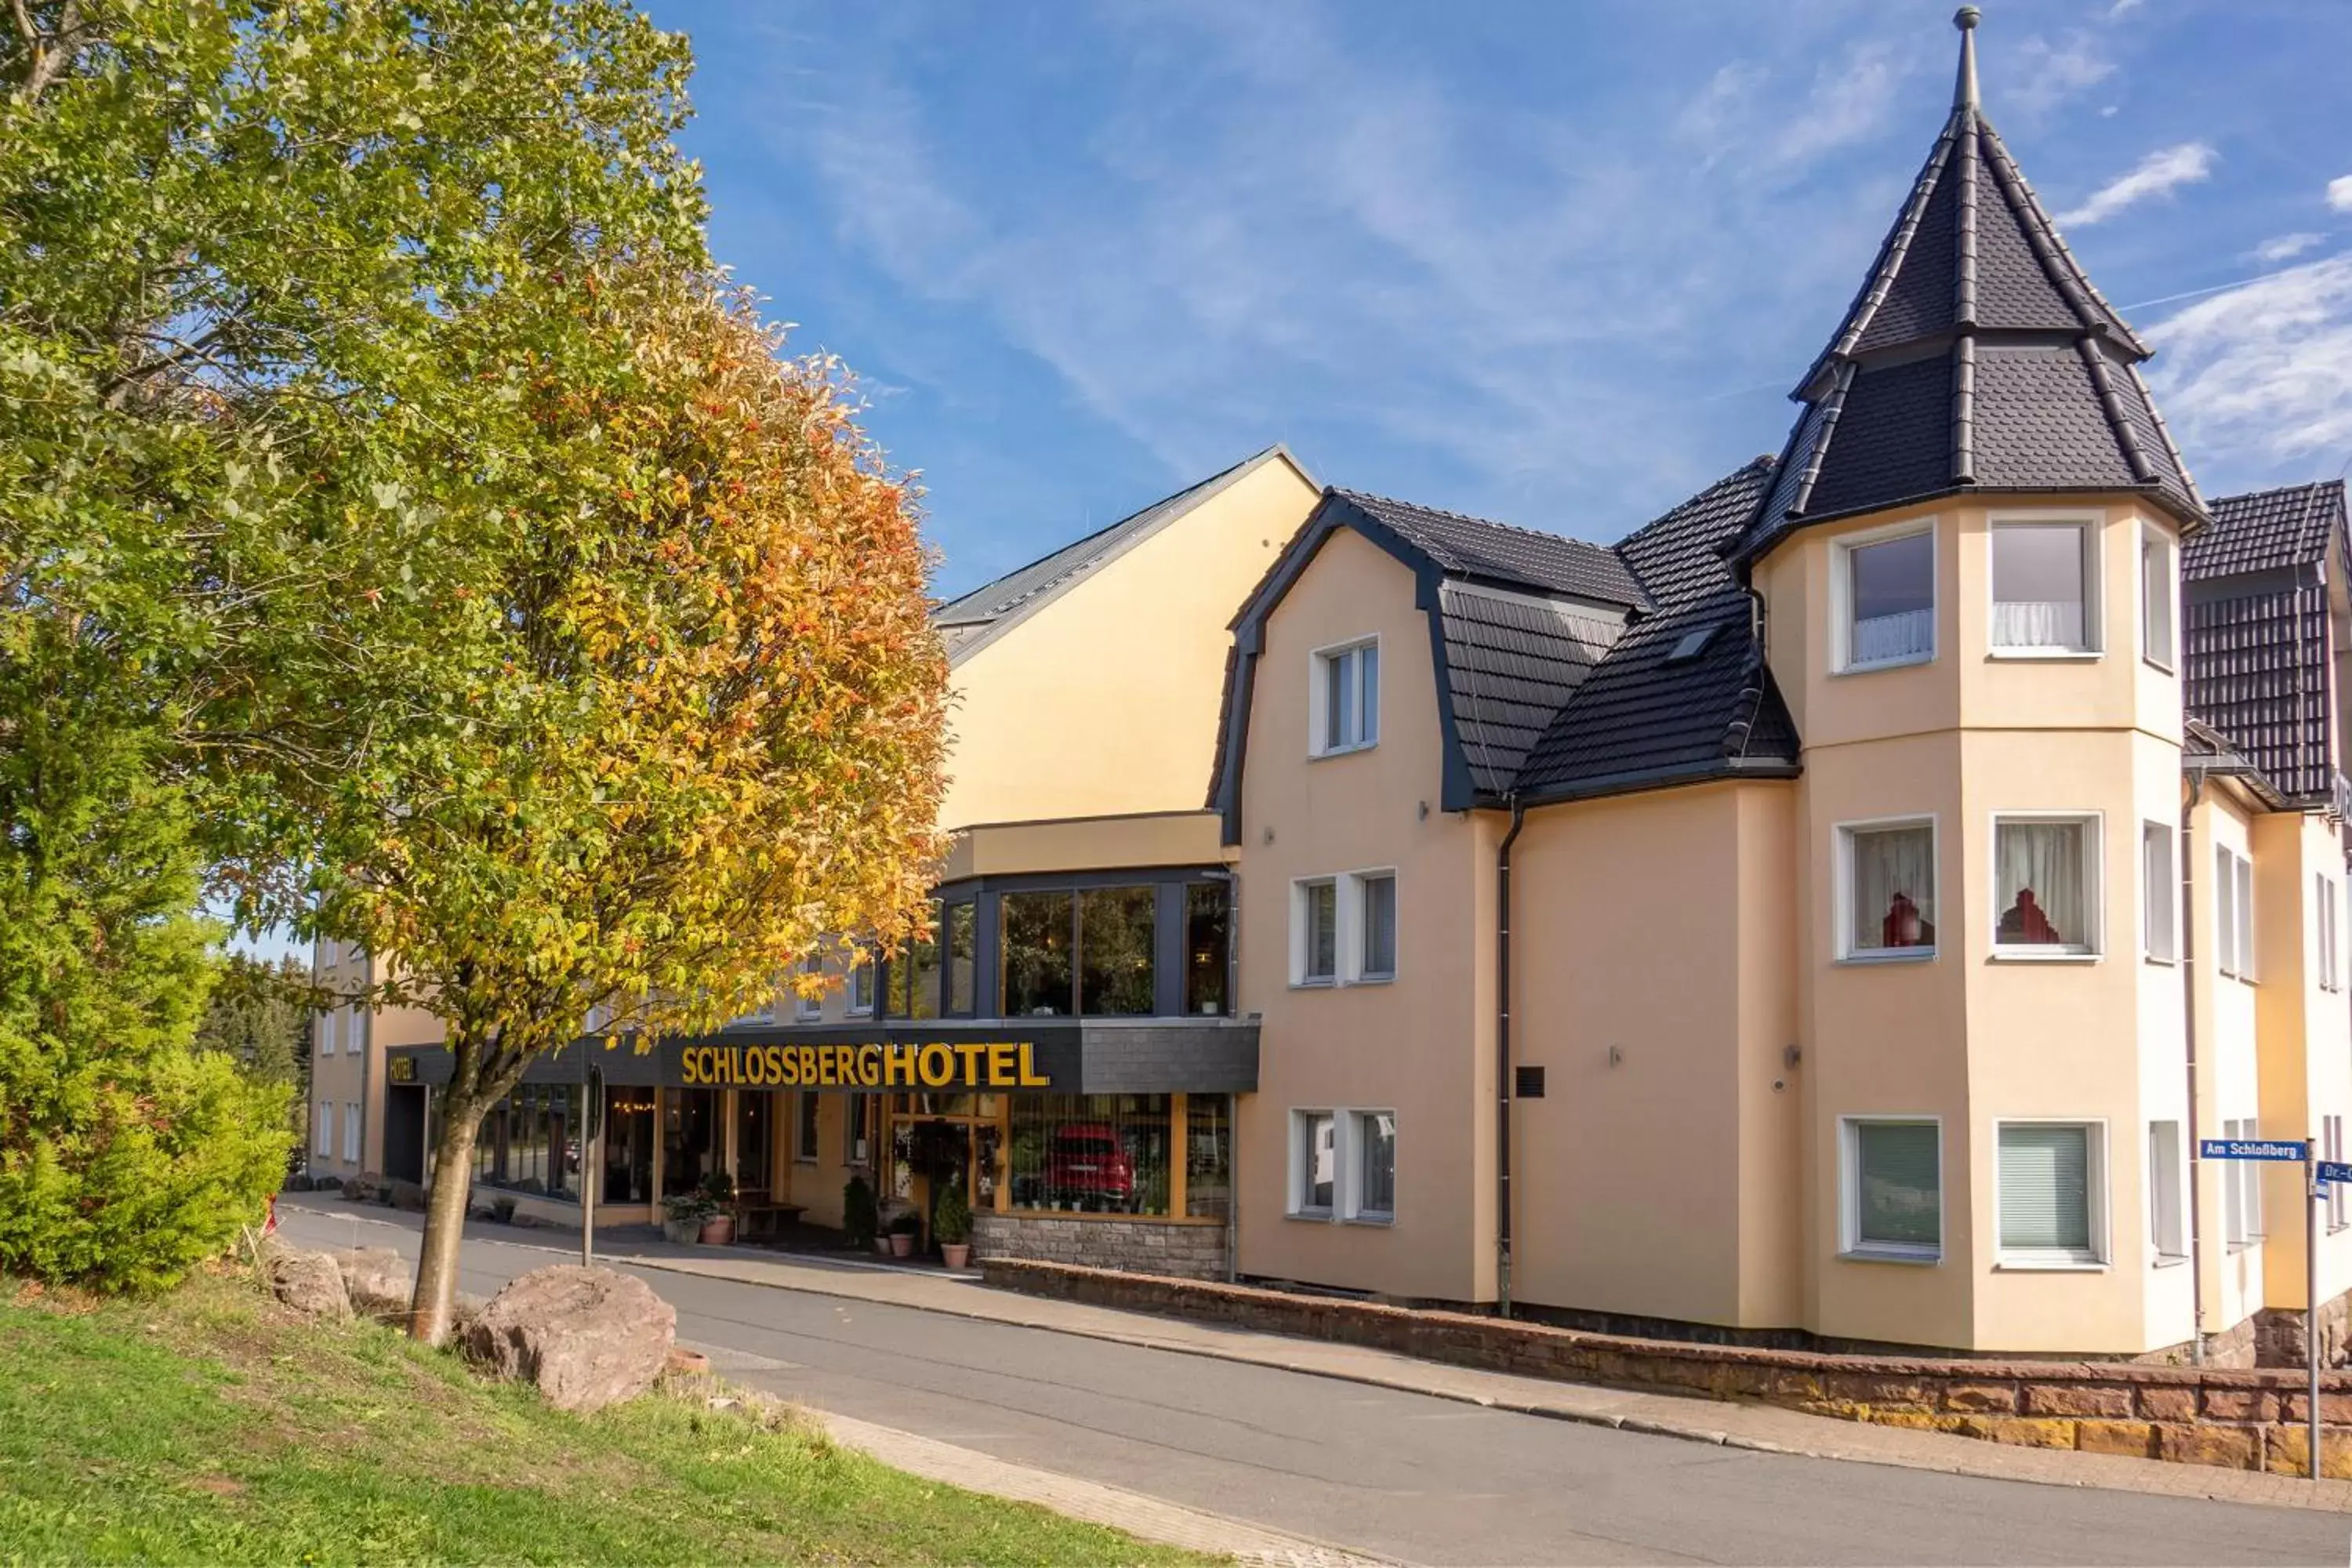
(211, 1425)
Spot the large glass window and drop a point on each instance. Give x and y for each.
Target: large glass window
(2046, 1176)
(1116, 934)
(1035, 966)
(1891, 890)
(1208, 935)
(2045, 884)
(2160, 890)
(1209, 1157)
(1891, 601)
(530, 1142)
(2039, 575)
(1096, 1153)
(629, 1140)
(915, 971)
(2156, 592)
(755, 1140)
(1347, 699)
(1894, 1195)
(690, 1138)
(963, 945)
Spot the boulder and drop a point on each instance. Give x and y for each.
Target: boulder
(408, 1195)
(309, 1282)
(379, 1281)
(587, 1337)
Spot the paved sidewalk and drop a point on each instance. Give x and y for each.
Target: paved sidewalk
(1738, 1426)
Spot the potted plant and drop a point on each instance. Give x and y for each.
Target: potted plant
(684, 1214)
(861, 1221)
(903, 1231)
(952, 1225)
(718, 1224)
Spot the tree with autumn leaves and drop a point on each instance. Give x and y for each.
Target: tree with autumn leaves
(695, 723)
(404, 533)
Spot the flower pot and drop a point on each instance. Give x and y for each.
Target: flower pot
(719, 1230)
(901, 1245)
(682, 1231)
(957, 1253)
(881, 1246)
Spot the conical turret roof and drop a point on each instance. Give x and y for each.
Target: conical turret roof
(1977, 357)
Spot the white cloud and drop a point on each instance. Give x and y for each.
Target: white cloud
(2339, 192)
(2286, 247)
(2122, 7)
(2262, 374)
(2159, 173)
(2057, 73)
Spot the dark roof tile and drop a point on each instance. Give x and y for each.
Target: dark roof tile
(2264, 530)
(1503, 554)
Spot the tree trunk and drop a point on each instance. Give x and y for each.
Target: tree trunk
(431, 1311)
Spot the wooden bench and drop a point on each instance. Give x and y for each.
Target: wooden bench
(758, 1217)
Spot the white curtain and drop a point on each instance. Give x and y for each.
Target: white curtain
(2037, 622)
(2038, 883)
(1905, 635)
(1894, 888)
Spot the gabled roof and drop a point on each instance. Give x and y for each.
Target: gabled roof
(1977, 357)
(1478, 549)
(2264, 529)
(1684, 694)
(975, 619)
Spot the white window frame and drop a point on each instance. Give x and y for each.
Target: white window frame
(2160, 890)
(1295, 1205)
(1851, 1247)
(352, 1132)
(2095, 1198)
(1319, 697)
(858, 989)
(1353, 1145)
(326, 1031)
(2233, 913)
(1302, 973)
(1842, 660)
(1359, 892)
(2090, 526)
(2151, 593)
(2168, 1231)
(2324, 905)
(322, 1129)
(2241, 1190)
(1347, 929)
(808, 1009)
(2095, 913)
(1842, 911)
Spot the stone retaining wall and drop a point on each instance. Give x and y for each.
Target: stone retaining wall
(2248, 1420)
(1151, 1247)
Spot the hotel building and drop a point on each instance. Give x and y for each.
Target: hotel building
(1831, 915)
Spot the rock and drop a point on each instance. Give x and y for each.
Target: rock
(587, 1337)
(532, 1222)
(309, 1283)
(297, 1183)
(465, 1314)
(408, 1195)
(378, 1280)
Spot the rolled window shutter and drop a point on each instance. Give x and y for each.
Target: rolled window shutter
(2045, 1189)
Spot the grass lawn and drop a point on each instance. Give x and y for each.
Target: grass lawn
(210, 1425)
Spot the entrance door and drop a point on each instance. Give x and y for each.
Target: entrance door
(941, 1158)
(755, 1144)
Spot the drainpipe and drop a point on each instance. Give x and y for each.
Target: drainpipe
(1503, 1060)
(2189, 1032)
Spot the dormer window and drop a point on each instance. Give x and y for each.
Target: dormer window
(1886, 591)
(1344, 700)
(2040, 577)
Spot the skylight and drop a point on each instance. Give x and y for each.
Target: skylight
(1693, 644)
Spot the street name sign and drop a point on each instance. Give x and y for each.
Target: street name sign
(2250, 1148)
(2331, 1171)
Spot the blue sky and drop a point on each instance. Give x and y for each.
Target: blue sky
(1556, 263)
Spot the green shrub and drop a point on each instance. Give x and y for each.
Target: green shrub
(860, 1218)
(951, 1221)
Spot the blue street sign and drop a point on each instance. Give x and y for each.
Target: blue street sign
(2329, 1171)
(2250, 1148)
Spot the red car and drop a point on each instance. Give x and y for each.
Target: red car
(1085, 1166)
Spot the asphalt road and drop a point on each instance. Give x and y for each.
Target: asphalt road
(1397, 1475)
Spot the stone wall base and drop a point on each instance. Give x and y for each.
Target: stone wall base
(1179, 1251)
(2239, 1419)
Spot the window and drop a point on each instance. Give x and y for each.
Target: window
(1093, 1153)
(2155, 597)
(804, 1130)
(2040, 577)
(2331, 975)
(1889, 588)
(2048, 1180)
(1889, 885)
(1314, 1162)
(1207, 936)
(912, 974)
(963, 947)
(1208, 1156)
(1893, 1197)
(351, 1133)
(2331, 1144)
(1037, 979)
(1117, 934)
(326, 1030)
(2159, 891)
(2233, 900)
(1315, 912)
(2165, 1231)
(1374, 1199)
(755, 1141)
(2045, 885)
(1379, 957)
(861, 988)
(810, 1004)
(2241, 1189)
(1344, 704)
(322, 1129)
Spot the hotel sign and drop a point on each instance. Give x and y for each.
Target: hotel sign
(895, 1064)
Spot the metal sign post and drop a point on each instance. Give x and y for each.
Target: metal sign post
(2317, 1174)
(2322, 1173)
